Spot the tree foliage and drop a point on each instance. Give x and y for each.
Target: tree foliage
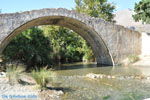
(67, 46)
(47, 45)
(31, 48)
(96, 8)
(142, 10)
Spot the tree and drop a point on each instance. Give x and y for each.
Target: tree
(47, 45)
(30, 47)
(65, 44)
(142, 10)
(96, 8)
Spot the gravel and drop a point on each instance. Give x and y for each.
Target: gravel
(25, 92)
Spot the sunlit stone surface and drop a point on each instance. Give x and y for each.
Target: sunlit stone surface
(111, 43)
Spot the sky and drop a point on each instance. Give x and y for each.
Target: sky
(10, 6)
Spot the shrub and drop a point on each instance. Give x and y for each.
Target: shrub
(13, 72)
(42, 77)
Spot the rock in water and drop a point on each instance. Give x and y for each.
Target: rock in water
(91, 75)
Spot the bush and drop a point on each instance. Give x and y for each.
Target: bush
(42, 77)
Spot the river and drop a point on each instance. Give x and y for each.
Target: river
(71, 78)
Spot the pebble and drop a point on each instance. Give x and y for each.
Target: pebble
(101, 76)
(121, 78)
(113, 77)
(132, 77)
(93, 76)
(108, 76)
(60, 92)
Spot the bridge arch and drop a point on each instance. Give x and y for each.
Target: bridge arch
(108, 41)
(99, 48)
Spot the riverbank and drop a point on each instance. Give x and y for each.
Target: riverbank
(89, 82)
(26, 92)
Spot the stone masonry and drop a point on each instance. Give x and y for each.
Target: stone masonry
(111, 43)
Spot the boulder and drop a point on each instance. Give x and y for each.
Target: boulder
(93, 76)
(2, 74)
(26, 80)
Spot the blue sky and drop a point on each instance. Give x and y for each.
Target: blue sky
(9, 6)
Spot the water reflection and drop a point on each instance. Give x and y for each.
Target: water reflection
(78, 65)
(70, 76)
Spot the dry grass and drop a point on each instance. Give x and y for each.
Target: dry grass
(13, 72)
(42, 77)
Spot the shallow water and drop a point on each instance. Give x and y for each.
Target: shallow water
(77, 87)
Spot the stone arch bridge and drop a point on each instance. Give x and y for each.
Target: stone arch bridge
(110, 43)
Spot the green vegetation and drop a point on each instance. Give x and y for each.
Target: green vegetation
(106, 97)
(133, 58)
(30, 48)
(13, 72)
(47, 45)
(142, 10)
(96, 8)
(67, 46)
(42, 77)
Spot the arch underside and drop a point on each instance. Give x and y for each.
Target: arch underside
(99, 48)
